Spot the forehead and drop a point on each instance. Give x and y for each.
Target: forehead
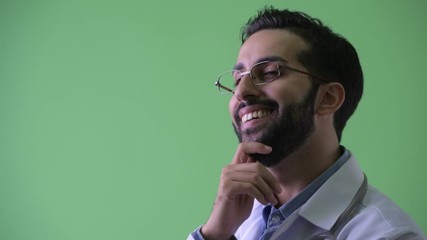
(271, 43)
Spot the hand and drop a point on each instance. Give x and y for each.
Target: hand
(241, 182)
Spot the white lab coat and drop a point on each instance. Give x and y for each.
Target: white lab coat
(375, 217)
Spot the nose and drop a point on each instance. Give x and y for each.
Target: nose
(246, 89)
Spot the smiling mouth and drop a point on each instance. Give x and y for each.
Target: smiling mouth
(255, 115)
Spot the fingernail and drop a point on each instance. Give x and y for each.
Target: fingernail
(275, 202)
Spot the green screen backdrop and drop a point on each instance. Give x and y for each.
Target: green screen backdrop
(111, 128)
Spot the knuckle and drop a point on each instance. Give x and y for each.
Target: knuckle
(255, 178)
(252, 189)
(225, 170)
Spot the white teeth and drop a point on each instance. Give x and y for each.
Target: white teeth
(245, 118)
(255, 114)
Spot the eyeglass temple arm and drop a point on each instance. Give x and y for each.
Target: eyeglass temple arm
(308, 74)
(223, 87)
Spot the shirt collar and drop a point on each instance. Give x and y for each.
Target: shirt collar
(334, 196)
(292, 205)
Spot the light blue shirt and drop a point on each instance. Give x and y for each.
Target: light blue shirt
(374, 217)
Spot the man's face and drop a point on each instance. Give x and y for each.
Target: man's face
(281, 111)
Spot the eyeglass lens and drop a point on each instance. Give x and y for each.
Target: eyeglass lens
(261, 73)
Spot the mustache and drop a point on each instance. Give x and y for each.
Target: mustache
(264, 102)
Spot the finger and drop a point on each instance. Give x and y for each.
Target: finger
(263, 190)
(236, 189)
(249, 169)
(253, 191)
(246, 148)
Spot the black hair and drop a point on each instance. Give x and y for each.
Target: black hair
(329, 56)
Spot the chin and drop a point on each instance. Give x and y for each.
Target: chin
(268, 160)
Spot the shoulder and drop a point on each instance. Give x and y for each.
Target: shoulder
(378, 217)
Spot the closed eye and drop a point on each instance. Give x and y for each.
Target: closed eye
(271, 73)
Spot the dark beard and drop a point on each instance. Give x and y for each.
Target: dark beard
(287, 133)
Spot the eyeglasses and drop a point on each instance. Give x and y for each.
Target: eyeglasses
(261, 73)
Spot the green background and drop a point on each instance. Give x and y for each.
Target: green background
(111, 128)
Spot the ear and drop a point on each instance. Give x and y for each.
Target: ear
(331, 97)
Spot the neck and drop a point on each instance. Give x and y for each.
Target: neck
(298, 170)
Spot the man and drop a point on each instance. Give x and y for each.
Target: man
(295, 85)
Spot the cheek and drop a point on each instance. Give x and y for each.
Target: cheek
(288, 92)
(232, 106)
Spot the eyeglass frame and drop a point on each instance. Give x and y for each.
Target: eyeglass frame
(252, 78)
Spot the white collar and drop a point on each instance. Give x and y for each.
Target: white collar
(334, 196)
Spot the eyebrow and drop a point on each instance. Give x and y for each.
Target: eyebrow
(240, 66)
